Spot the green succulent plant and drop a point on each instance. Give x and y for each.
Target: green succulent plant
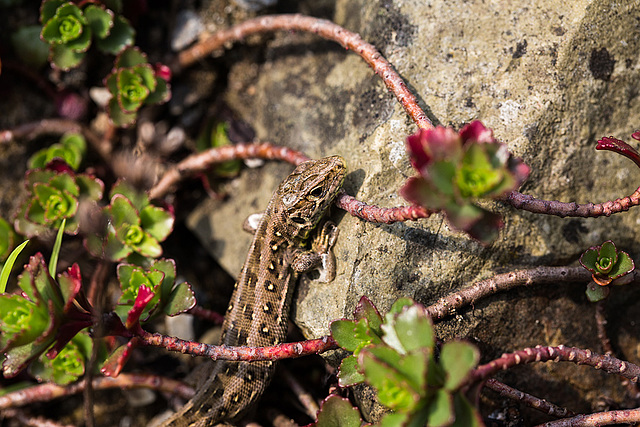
(606, 264)
(45, 316)
(68, 365)
(458, 169)
(133, 83)
(69, 29)
(133, 226)
(71, 149)
(53, 195)
(397, 356)
(160, 293)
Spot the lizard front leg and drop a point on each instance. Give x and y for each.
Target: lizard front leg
(320, 256)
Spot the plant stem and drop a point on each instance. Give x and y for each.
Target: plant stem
(608, 364)
(323, 28)
(202, 161)
(304, 397)
(203, 313)
(448, 305)
(624, 416)
(572, 209)
(50, 391)
(215, 352)
(534, 402)
(601, 325)
(28, 420)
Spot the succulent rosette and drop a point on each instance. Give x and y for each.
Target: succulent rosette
(54, 195)
(134, 83)
(606, 263)
(147, 292)
(133, 226)
(69, 29)
(45, 316)
(459, 169)
(70, 149)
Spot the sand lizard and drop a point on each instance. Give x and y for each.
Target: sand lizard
(258, 311)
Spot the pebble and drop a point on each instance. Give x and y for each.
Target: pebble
(188, 28)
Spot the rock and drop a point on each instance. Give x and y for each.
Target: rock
(549, 77)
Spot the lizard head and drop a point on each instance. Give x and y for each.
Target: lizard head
(306, 194)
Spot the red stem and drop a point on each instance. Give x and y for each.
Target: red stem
(323, 28)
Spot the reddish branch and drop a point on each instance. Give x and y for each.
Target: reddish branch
(202, 161)
(624, 416)
(49, 391)
(608, 364)
(27, 420)
(248, 354)
(447, 305)
(203, 313)
(33, 130)
(571, 209)
(323, 28)
(374, 213)
(529, 400)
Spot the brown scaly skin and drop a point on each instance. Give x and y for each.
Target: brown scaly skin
(259, 307)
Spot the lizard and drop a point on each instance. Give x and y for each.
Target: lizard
(257, 314)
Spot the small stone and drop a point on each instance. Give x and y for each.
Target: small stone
(255, 5)
(188, 27)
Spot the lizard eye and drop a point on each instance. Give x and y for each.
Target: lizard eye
(316, 192)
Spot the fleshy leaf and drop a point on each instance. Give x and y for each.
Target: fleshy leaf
(180, 300)
(625, 265)
(348, 372)
(380, 366)
(596, 292)
(144, 297)
(441, 410)
(29, 47)
(343, 331)
(138, 199)
(64, 58)
(338, 412)
(121, 36)
(99, 19)
(589, 259)
(466, 414)
(457, 358)
(156, 221)
(366, 310)
(410, 330)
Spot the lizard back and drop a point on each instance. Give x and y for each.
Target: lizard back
(258, 311)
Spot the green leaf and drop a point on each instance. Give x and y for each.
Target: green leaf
(366, 310)
(131, 91)
(380, 369)
(53, 261)
(156, 221)
(466, 414)
(409, 330)
(8, 266)
(168, 267)
(7, 240)
(119, 117)
(608, 250)
(348, 373)
(89, 187)
(48, 9)
(596, 292)
(130, 57)
(65, 368)
(338, 412)
(123, 214)
(343, 331)
(625, 265)
(138, 199)
(99, 19)
(29, 47)
(180, 300)
(64, 58)
(121, 36)
(458, 358)
(161, 94)
(441, 409)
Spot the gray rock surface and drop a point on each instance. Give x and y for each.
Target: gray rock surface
(550, 77)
